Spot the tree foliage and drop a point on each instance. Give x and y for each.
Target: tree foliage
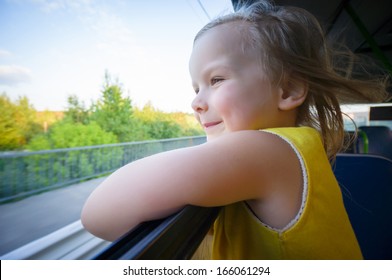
(111, 119)
(76, 110)
(17, 122)
(66, 134)
(157, 124)
(114, 112)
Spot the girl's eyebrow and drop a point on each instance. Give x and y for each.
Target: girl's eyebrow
(217, 65)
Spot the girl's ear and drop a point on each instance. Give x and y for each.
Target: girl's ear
(292, 94)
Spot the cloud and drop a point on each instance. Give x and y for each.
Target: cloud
(50, 5)
(12, 75)
(4, 53)
(95, 16)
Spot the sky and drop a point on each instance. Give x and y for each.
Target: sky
(51, 49)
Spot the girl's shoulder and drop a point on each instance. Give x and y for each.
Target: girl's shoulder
(270, 169)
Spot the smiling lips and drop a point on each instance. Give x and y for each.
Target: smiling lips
(210, 124)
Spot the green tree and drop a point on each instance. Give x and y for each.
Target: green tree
(39, 142)
(76, 111)
(26, 119)
(17, 122)
(66, 134)
(157, 124)
(10, 137)
(188, 123)
(113, 113)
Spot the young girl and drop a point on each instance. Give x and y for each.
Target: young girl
(267, 96)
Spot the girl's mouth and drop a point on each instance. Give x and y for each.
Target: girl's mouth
(210, 124)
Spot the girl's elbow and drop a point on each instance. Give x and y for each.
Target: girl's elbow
(94, 224)
(105, 224)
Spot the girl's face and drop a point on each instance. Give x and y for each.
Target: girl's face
(232, 92)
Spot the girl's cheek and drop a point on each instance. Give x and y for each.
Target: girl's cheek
(226, 101)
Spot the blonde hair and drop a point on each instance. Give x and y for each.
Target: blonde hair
(293, 48)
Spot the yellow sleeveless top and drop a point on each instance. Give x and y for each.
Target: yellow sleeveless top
(321, 230)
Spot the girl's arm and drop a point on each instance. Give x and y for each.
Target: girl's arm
(237, 166)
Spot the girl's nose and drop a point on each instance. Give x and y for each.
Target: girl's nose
(199, 104)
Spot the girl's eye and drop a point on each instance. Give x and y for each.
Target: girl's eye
(216, 80)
